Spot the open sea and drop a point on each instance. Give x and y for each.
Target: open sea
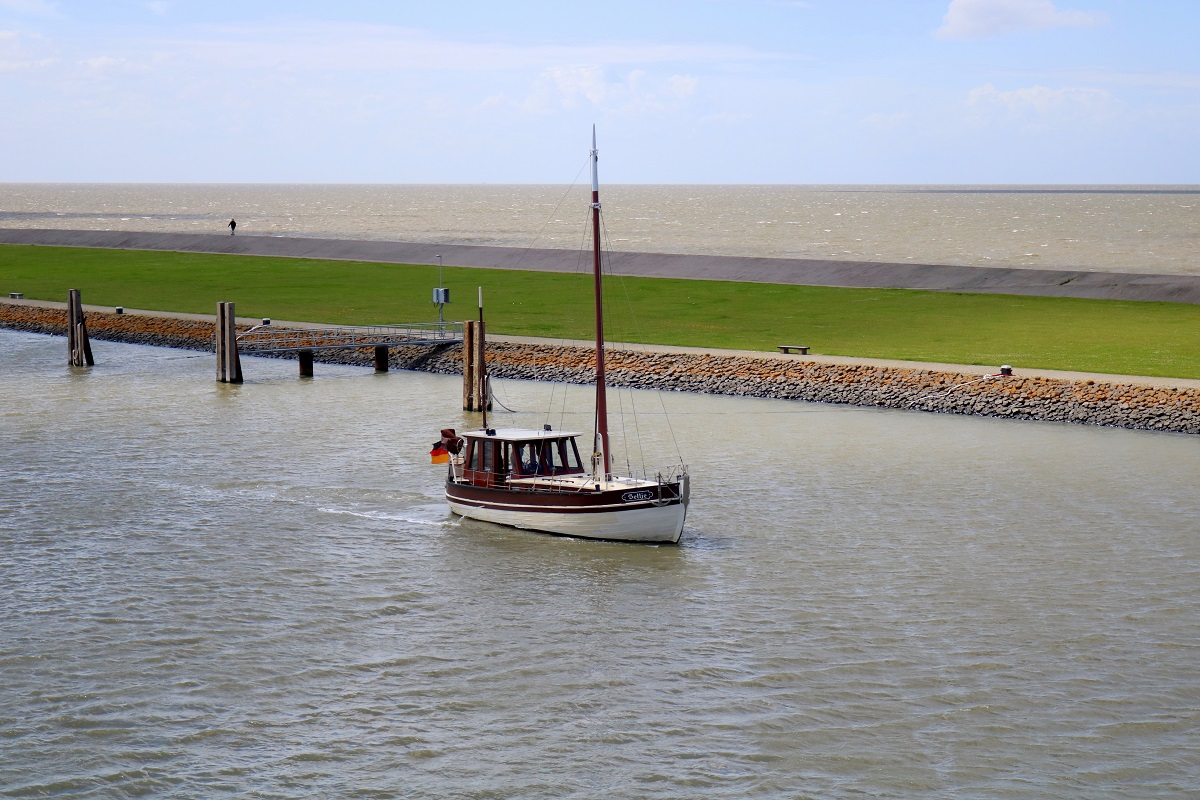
(257, 591)
(1143, 229)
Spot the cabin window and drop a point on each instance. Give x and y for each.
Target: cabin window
(473, 455)
(489, 455)
(527, 458)
(559, 455)
(551, 460)
(573, 462)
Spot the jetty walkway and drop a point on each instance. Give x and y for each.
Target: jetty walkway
(809, 272)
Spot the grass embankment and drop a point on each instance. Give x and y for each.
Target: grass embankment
(1123, 337)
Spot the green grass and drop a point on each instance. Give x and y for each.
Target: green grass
(1124, 337)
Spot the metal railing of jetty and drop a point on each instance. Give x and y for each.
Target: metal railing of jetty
(272, 339)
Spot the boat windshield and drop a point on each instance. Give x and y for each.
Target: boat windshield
(545, 457)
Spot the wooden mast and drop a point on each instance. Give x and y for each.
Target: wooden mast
(601, 399)
(481, 363)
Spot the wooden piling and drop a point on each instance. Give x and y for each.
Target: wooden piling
(229, 364)
(474, 367)
(381, 358)
(468, 363)
(306, 363)
(79, 349)
(483, 398)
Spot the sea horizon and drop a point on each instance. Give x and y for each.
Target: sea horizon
(1133, 228)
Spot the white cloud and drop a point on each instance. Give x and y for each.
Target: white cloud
(10, 65)
(105, 64)
(976, 19)
(1040, 100)
(19, 52)
(588, 83)
(573, 86)
(158, 8)
(313, 47)
(682, 86)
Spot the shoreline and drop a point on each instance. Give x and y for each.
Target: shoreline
(1165, 406)
(810, 272)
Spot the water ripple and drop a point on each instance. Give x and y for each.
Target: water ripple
(197, 602)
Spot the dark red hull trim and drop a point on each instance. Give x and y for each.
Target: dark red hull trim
(562, 502)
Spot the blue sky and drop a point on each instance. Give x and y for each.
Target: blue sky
(702, 91)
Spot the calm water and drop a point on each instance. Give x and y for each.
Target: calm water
(256, 591)
(1149, 229)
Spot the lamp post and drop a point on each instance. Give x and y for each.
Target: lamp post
(441, 292)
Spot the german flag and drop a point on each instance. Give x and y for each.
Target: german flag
(438, 454)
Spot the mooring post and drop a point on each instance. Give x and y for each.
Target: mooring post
(474, 368)
(468, 362)
(483, 399)
(381, 358)
(79, 349)
(306, 363)
(229, 365)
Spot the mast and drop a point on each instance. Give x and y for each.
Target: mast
(601, 399)
(483, 390)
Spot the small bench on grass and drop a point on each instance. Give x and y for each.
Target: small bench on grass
(802, 349)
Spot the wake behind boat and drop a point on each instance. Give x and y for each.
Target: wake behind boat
(536, 479)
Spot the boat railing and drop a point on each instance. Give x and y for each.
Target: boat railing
(669, 474)
(547, 483)
(518, 483)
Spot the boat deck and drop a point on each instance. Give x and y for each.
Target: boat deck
(578, 483)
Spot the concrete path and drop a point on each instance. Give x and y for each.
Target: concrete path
(809, 272)
(968, 369)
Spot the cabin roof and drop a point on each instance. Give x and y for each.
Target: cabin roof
(521, 434)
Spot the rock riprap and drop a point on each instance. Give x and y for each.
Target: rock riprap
(1121, 405)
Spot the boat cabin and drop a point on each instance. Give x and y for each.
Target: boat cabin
(493, 457)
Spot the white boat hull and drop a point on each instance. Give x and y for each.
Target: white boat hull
(654, 524)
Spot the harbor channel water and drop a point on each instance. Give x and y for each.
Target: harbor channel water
(256, 590)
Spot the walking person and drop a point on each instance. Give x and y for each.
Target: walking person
(232, 227)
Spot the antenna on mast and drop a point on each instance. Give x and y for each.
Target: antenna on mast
(595, 156)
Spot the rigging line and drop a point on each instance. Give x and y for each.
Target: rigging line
(635, 324)
(606, 253)
(625, 428)
(561, 339)
(537, 237)
(492, 394)
(637, 433)
(621, 393)
(524, 252)
(582, 267)
(584, 264)
(506, 408)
